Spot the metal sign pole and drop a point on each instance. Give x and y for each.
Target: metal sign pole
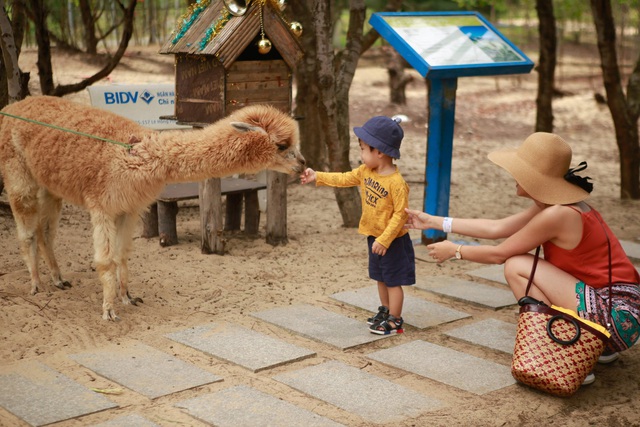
(441, 115)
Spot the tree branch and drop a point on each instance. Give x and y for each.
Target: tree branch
(127, 33)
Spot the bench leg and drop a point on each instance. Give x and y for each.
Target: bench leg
(251, 213)
(150, 222)
(234, 212)
(167, 212)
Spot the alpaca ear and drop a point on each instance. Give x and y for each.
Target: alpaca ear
(245, 127)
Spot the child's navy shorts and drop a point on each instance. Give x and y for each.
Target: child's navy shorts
(397, 267)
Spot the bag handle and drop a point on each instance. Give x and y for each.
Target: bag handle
(533, 271)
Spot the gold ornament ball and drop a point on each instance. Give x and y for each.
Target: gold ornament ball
(264, 46)
(296, 28)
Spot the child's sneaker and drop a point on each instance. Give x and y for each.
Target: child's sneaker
(391, 325)
(382, 314)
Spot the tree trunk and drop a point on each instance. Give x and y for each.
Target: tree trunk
(127, 32)
(89, 23)
(546, 66)
(153, 22)
(323, 80)
(312, 139)
(322, 98)
(625, 115)
(398, 79)
(9, 57)
(45, 69)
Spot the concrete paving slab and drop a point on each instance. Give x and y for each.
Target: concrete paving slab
(144, 369)
(632, 249)
(490, 333)
(492, 272)
(243, 406)
(359, 392)
(40, 395)
(415, 311)
(133, 420)
(467, 291)
(236, 344)
(320, 325)
(447, 366)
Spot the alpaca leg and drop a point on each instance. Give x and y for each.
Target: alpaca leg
(125, 226)
(50, 208)
(104, 237)
(24, 205)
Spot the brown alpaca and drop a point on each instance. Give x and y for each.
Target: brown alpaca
(42, 166)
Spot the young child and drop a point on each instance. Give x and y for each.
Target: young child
(385, 195)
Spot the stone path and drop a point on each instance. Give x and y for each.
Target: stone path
(40, 395)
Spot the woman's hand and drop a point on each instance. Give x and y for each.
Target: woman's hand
(417, 220)
(442, 251)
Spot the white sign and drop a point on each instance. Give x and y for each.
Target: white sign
(143, 103)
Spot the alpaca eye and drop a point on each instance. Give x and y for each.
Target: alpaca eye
(282, 147)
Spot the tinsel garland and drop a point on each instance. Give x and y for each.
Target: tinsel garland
(215, 28)
(187, 20)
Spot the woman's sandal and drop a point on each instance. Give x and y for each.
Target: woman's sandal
(382, 314)
(391, 325)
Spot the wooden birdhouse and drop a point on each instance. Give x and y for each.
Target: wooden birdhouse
(230, 54)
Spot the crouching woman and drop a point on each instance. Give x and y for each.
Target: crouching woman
(575, 239)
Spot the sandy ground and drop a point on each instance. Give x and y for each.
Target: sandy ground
(181, 287)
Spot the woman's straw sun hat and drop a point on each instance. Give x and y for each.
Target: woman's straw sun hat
(539, 166)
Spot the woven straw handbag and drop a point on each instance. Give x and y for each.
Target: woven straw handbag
(555, 349)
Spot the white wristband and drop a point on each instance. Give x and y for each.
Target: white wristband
(446, 224)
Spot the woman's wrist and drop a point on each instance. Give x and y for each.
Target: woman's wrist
(446, 224)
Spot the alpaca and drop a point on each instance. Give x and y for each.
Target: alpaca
(42, 166)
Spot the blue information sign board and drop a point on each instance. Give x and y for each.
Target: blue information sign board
(450, 44)
(443, 46)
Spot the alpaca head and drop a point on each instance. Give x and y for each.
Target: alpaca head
(282, 132)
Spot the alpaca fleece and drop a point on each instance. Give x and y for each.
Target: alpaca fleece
(42, 166)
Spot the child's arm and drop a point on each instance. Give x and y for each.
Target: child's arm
(333, 179)
(309, 175)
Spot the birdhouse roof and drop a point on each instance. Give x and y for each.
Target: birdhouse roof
(209, 29)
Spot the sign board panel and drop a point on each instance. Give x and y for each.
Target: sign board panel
(450, 44)
(143, 103)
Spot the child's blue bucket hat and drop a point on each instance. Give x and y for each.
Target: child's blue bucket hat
(382, 133)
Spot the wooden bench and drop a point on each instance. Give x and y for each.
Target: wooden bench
(236, 191)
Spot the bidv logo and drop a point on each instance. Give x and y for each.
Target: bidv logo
(127, 97)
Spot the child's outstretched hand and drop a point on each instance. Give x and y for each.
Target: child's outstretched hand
(309, 175)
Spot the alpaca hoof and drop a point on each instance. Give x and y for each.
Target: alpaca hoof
(63, 285)
(110, 315)
(34, 290)
(132, 300)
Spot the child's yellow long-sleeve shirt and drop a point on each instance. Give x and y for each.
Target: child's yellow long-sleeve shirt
(384, 198)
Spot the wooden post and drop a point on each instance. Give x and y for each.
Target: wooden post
(211, 225)
(233, 216)
(251, 213)
(276, 208)
(167, 212)
(150, 222)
